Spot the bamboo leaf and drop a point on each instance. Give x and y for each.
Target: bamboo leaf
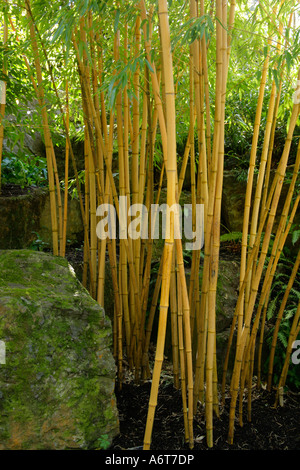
(295, 236)
(149, 66)
(276, 77)
(289, 59)
(116, 23)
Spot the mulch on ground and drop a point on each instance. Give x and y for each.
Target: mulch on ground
(270, 428)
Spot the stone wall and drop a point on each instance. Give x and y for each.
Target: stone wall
(26, 217)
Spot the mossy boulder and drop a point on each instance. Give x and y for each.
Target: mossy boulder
(57, 383)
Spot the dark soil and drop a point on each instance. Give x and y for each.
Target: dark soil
(270, 428)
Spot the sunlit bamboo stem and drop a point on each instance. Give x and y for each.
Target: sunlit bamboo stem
(3, 93)
(182, 360)
(279, 318)
(171, 200)
(249, 188)
(46, 130)
(67, 152)
(295, 329)
(278, 181)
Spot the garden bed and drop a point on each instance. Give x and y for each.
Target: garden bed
(270, 429)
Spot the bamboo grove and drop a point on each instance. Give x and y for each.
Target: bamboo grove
(136, 108)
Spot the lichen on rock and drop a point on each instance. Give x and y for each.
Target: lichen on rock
(57, 385)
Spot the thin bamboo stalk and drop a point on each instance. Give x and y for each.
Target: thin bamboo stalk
(91, 208)
(124, 183)
(247, 206)
(204, 167)
(171, 200)
(67, 152)
(3, 93)
(86, 249)
(263, 162)
(278, 244)
(174, 325)
(136, 140)
(278, 180)
(263, 219)
(191, 137)
(149, 325)
(272, 136)
(67, 137)
(101, 271)
(86, 93)
(217, 209)
(154, 79)
(270, 150)
(264, 298)
(206, 88)
(187, 337)
(279, 318)
(186, 156)
(261, 173)
(210, 259)
(158, 279)
(123, 284)
(46, 130)
(253, 230)
(143, 348)
(182, 359)
(295, 329)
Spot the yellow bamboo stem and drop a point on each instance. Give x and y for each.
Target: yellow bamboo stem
(46, 130)
(292, 337)
(278, 181)
(247, 206)
(3, 94)
(67, 152)
(182, 359)
(171, 200)
(174, 325)
(279, 318)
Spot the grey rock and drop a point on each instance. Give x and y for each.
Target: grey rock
(57, 385)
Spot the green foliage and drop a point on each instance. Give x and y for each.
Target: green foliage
(72, 187)
(193, 29)
(39, 244)
(24, 171)
(56, 23)
(295, 236)
(278, 289)
(231, 236)
(103, 442)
